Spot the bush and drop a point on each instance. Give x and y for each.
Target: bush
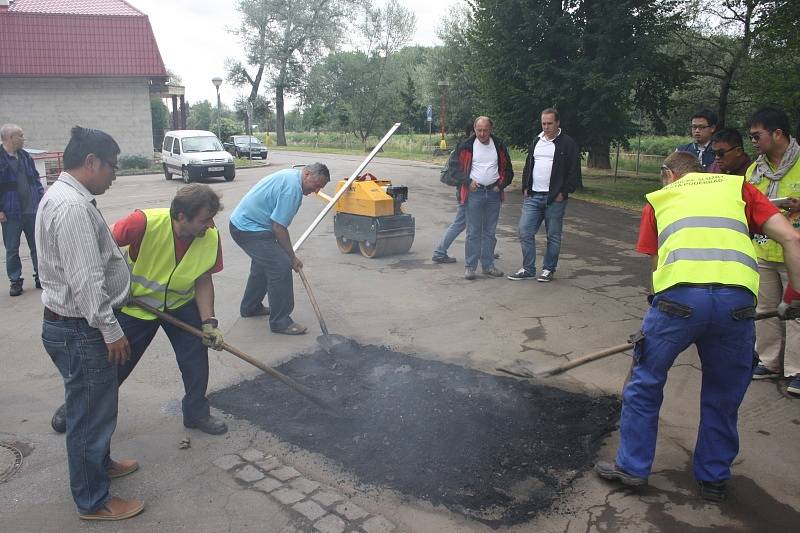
(134, 161)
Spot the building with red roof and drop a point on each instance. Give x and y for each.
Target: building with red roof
(89, 62)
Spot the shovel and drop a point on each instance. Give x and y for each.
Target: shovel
(333, 344)
(601, 354)
(302, 389)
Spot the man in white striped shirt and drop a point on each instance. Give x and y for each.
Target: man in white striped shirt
(85, 277)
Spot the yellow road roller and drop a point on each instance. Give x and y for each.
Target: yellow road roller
(369, 216)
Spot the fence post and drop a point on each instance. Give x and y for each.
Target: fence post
(616, 164)
(638, 150)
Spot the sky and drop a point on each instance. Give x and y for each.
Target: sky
(194, 42)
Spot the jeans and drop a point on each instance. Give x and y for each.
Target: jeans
(483, 210)
(725, 346)
(534, 211)
(90, 389)
(191, 354)
(776, 339)
(12, 233)
(270, 275)
(453, 231)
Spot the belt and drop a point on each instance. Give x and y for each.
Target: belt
(53, 316)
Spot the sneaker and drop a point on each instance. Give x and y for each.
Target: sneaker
(442, 259)
(469, 274)
(713, 491)
(16, 288)
(794, 386)
(545, 275)
(209, 424)
(261, 311)
(613, 472)
(493, 272)
(521, 274)
(762, 372)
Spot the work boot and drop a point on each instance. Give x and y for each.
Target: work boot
(713, 491)
(16, 287)
(36, 282)
(208, 424)
(611, 471)
(123, 467)
(59, 420)
(116, 509)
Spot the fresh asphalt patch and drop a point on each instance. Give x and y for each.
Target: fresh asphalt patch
(495, 449)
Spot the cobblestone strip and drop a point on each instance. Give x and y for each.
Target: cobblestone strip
(314, 506)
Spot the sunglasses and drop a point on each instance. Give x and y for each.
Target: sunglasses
(721, 153)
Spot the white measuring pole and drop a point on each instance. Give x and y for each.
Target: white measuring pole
(342, 190)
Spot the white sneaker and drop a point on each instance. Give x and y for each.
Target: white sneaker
(545, 275)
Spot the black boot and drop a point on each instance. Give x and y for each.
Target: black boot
(37, 282)
(16, 288)
(59, 421)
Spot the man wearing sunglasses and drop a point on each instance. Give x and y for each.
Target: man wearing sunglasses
(776, 173)
(729, 155)
(704, 124)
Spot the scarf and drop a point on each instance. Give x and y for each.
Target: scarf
(763, 169)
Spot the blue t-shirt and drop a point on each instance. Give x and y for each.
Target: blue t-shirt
(275, 198)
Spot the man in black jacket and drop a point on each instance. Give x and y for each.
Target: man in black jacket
(552, 171)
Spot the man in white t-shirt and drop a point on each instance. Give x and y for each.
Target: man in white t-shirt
(486, 167)
(552, 172)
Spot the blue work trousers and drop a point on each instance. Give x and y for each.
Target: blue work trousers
(90, 394)
(190, 352)
(453, 231)
(483, 210)
(725, 345)
(536, 210)
(12, 238)
(270, 276)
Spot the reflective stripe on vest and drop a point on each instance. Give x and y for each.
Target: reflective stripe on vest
(156, 279)
(702, 233)
(789, 185)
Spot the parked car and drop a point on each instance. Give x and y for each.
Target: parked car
(246, 146)
(194, 155)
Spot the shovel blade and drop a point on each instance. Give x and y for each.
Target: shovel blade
(335, 344)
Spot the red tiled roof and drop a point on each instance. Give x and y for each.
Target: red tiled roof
(58, 45)
(77, 7)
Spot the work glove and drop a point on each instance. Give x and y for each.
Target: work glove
(789, 308)
(212, 336)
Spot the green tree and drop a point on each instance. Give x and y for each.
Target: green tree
(283, 38)
(160, 117)
(594, 60)
(201, 115)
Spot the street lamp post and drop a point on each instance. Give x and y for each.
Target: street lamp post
(217, 81)
(443, 86)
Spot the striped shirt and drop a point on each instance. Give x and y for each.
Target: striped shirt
(82, 270)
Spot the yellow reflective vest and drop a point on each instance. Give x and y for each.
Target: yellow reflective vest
(703, 236)
(789, 185)
(157, 278)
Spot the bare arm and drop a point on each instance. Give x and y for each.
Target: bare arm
(204, 296)
(778, 228)
(282, 236)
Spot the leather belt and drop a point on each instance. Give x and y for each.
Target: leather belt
(51, 315)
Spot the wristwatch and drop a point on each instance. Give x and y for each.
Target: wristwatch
(213, 321)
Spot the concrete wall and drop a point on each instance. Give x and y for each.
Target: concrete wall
(46, 109)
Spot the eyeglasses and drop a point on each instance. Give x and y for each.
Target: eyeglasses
(699, 127)
(755, 136)
(721, 153)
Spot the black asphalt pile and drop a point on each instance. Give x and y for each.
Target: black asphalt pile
(492, 448)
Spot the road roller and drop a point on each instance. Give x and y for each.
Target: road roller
(369, 217)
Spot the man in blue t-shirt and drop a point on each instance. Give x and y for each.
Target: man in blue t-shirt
(259, 225)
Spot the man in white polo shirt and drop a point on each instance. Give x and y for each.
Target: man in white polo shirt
(551, 173)
(485, 165)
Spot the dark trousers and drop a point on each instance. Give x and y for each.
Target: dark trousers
(270, 275)
(12, 237)
(191, 354)
(90, 395)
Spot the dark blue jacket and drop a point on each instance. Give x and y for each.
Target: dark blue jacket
(694, 148)
(9, 198)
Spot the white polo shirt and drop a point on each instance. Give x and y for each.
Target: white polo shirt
(543, 155)
(484, 163)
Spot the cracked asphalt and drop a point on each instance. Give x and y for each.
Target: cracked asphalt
(409, 305)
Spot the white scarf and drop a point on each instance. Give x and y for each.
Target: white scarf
(763, 170)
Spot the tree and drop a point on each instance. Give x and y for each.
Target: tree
(160, 117)
(411, 108)
(201, 115)
(284, 37)
(260, 111)
(594, 60)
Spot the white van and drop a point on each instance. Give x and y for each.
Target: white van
(194, 155)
